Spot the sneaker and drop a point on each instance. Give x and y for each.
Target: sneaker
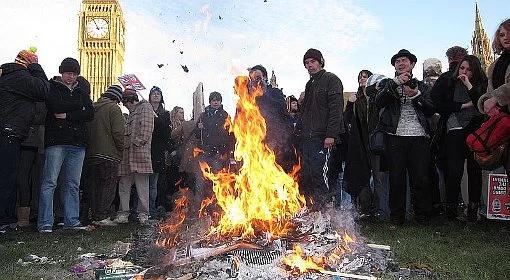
(47, 230)
(105, 222)
(77, 227)
(121, 219)
(143, 218)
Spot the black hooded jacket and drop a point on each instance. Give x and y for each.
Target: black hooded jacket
(20, 88)
(78, 107)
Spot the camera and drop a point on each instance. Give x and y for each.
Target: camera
(412, 83)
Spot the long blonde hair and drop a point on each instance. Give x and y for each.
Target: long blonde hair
(176, 122)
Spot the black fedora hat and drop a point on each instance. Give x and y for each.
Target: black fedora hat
(403, 53)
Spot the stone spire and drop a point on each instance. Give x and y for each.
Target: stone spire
(272, 81)
(481, 44)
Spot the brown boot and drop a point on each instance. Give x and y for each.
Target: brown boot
(23, 216)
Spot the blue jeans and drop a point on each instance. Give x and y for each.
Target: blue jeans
(68, 160)
(153, 193)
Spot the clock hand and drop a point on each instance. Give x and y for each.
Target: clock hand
(95, 23)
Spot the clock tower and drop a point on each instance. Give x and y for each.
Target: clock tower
(101, 43)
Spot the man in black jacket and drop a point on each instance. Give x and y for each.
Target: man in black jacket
(215, 141)
(320, 127)
(69, 108)
(22, 84)
(405, 106)
(272, 107)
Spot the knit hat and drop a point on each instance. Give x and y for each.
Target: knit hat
(130, 94)
(25, 57)
(292, 99)
(375, 79)
(69, 64)
(261, 68)
(156, 89)
(315, 54)
(114, 92)
(403, 53)
(215, 96)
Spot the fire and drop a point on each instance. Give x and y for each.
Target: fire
(343, 247)
(173, 224)
(299, 263)
(197, 151)
(206, 202)
(261, 197)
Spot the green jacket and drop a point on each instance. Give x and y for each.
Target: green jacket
(106, 131)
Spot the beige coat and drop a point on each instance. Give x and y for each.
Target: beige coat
(136, 157)
(502, 94)
(184, 137)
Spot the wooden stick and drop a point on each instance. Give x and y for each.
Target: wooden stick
(378, 246)
(348, 275)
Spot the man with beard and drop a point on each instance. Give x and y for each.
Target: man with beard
(320, 127)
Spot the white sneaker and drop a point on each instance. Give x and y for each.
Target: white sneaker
(105, 222)
(121, 219)
(45, 230)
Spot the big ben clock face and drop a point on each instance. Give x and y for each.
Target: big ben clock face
(97, 28)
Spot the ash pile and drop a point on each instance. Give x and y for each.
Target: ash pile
(322, 245)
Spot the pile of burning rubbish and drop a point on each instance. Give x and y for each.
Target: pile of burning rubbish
(257, 225)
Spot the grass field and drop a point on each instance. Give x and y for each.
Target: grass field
(453, 251)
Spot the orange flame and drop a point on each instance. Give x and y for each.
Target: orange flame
(261, 197)
(197, 151)
(174, 223)
(299, 263)
(342, 248)
(206, 202)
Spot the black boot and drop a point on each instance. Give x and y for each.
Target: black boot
(472, 212)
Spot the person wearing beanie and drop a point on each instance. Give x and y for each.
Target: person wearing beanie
(320, 127)
(66, 137)
(272, 106)
(161, 144)
(136, 163)
(405, 105)
(23, 83)
(104, 152)
(215, 141)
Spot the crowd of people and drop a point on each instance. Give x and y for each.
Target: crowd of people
(394, 148)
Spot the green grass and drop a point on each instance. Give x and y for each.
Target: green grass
(61, 246)
(453, 251)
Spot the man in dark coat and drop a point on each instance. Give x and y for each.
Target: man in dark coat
(69, 110)
(406, 106)
(272, 107)
(215, 141)
(320, 127)
(22, 84)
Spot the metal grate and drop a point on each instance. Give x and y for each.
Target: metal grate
(257, 257)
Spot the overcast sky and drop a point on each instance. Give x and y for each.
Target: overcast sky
(220, 39)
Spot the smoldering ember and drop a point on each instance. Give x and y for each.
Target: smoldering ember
(257, 225)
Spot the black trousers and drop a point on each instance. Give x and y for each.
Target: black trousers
(101, 185)
(9, 162)
(456, 153)
(26, 180)
(409, 155)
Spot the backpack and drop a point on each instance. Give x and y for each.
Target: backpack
(490, 142)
